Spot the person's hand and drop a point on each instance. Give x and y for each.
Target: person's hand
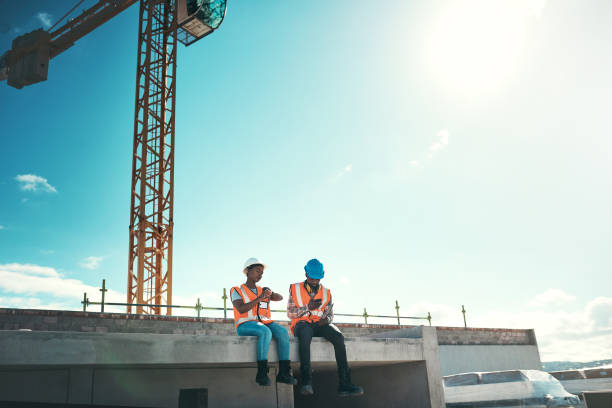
(266, 294)
(323, 322)
(314, 303)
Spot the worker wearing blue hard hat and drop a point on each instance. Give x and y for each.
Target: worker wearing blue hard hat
(310, 309)
(314, 269)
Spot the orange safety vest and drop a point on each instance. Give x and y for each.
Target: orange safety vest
(258, 313)
(301, 297)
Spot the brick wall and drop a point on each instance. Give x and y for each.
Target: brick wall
(63, 320)
(484, 336)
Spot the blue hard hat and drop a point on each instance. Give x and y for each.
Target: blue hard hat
(314, 269)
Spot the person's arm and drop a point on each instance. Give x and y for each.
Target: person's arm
(293, 312)
(245, 307)
(328, 313)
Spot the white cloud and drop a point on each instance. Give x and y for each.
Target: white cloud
(584, 334)
(599, 313)
(91, 262)
(581, 335)
(30, 303)
(347, 169)
(1, 227)
(551, 297)
(32, 182)
(440, 314)
(44, 18)
(440, 144)
(35, 280)
(535, 7)
(29, 269)
(25, 285)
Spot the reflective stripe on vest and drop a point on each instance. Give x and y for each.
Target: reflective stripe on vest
(250, 315)
(301, 299)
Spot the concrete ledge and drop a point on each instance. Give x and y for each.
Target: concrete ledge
(29, 348)
(73, 321)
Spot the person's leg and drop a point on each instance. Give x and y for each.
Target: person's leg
(336, 338)
(264, 336)
(332, 334)
(282, 340)
(304, 332)
(279, 333)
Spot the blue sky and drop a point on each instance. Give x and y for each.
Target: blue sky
(434, 153)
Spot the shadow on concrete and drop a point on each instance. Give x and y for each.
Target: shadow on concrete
(389, 385)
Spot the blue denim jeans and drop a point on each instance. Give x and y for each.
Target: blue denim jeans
(264, 333)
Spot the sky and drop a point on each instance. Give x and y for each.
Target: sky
(437, 153)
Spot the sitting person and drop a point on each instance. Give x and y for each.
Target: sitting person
(310, 309)
(252, 317)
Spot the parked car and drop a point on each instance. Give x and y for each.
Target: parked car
(514, 388)
(585, 380)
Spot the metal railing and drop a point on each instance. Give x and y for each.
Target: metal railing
(198, 307)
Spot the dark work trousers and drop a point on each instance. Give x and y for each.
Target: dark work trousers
(305, 331)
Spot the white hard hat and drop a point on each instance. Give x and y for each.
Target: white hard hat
(252, 261)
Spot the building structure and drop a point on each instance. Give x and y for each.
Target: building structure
(126, 360)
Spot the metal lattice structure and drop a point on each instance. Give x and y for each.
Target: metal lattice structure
(149, 286)
(152, 203)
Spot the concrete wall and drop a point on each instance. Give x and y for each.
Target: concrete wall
(460, 348)
(455, 359)
(463, 350)
(480, 336)
(483, 349)
(140, 387)
(397, 385)
(61, 320)
(149, 370)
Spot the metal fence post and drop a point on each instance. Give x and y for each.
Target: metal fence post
(199, 307)
(463, 311)
(103, 290)
(84, 302)
(429, 318)
(365, 315)
(224, 297)
(397, 312)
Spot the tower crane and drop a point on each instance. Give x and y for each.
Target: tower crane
(161, 24)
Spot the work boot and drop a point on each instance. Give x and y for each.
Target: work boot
(306, 389)
(306, 372)
(346, 387)
(262, 373)
(284, 373)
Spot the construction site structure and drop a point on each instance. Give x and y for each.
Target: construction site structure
(161, 24)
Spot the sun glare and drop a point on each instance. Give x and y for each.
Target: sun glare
(475, 46)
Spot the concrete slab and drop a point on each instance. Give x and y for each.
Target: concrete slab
(39, 348)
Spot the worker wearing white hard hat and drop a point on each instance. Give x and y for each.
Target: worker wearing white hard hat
(252, 317)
